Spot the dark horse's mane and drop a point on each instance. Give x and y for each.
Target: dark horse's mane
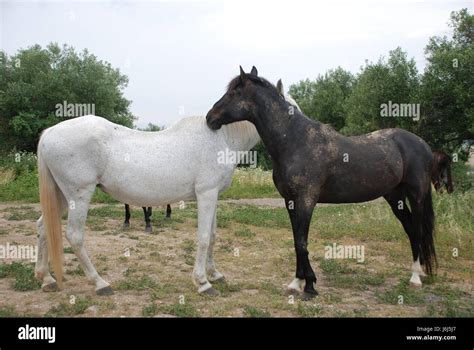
(256, 79)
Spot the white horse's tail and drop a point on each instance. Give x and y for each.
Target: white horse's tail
(50, 199)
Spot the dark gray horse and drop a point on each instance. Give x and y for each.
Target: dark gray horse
(313, 163)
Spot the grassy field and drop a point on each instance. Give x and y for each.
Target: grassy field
(247, 183)
(254, 250)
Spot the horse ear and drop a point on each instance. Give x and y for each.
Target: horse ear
(280, 87)
(254, 71)
(243, 75)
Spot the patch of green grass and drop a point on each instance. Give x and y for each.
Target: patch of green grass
(359, 280)
(227, 288)
(79, 306)
(96, 225)
(162, 291)
(181, 310)
(226, 245)
(332, 298)
(333, 266)
(244, 232)
(107, 211)
(136, 283)
(403, 289)
(150, 309)
(271, 288)
(19, 214)
(305, 310)
(102, 197)
(340, 275)
(23, 274)
(3, 231)
(130, 271)
(189, 248)
(68, 250)
(249, 215)
(254, 312)
(251, 183)
(24, 188)
(78, 271)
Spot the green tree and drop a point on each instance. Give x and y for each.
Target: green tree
(36, 79)
(324, 99)
(395, 80)
(447, 91)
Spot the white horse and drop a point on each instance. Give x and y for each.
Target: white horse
(77, 155)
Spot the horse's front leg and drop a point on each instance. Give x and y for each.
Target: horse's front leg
(212, 273)
(301, 211)
(207, 202)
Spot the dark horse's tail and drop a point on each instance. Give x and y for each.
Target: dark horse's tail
(428, 253)
(441, 167)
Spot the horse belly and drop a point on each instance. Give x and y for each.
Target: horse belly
(149, 190)
(352, 189)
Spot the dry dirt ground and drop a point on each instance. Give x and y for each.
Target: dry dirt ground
(258, 261)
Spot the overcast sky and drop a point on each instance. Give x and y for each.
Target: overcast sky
(179, 56)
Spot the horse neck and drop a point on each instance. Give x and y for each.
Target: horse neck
(272, 122)
(241, 136)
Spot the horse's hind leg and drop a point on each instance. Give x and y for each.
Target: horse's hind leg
(75, 234)
(126, 223)
(423, 222)
(42, 265)
(207, 202)
(397, 201)
(147, 212)
(212, 273)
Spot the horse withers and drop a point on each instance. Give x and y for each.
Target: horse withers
(313, 163)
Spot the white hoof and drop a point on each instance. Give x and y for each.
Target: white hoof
(415, 281)
(296, 285)
(204, 287)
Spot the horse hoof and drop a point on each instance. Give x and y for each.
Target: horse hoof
(104, 291)
(415, 285)
(211, 292)
(308, 296)
(126, 225)
(292, 291)
(52, 287)
(220, 280)
(148, 229)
